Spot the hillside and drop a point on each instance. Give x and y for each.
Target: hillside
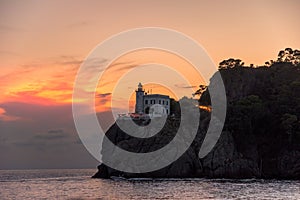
(260, 138)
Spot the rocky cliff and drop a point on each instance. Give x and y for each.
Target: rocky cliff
(260, 138)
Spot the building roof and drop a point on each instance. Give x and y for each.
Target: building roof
(157, 96)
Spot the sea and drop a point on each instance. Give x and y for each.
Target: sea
(78, 184)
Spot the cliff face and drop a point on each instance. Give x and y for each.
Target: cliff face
(260, 139)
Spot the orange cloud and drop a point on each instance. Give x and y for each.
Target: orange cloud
(51, 83)
(44, 84)
(46, 93)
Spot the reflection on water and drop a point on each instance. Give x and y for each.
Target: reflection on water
(77, 184)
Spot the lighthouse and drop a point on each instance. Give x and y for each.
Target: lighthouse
(151, 103)
(139, 101)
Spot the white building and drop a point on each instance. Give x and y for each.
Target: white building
(151, 103)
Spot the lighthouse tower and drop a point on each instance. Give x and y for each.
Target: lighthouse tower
(139, 104)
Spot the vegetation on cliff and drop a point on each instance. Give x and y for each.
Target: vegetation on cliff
(261, 134)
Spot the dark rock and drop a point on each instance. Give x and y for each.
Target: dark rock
(260, 139)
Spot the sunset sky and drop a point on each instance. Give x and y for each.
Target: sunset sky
(43, 44)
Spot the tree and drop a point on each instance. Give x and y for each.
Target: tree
(246, 113)
(289, 55)
(230, 63)
(202, 88)
(174, 107)
(288, 122)
(269, 63)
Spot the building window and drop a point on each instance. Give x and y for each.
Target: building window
(159, 101)
(163, 102)
(166, 102)
(167, 111)
(154, 101)
(146, 101)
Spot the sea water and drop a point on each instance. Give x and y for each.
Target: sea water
(78, 184)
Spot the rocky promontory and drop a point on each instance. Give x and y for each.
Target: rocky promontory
(260, 138)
